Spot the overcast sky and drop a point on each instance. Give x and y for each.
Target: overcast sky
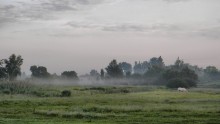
(82, 35)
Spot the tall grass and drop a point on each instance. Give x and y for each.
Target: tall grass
(16, 87)
(25, 87)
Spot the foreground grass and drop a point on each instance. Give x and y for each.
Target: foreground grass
(110, 105)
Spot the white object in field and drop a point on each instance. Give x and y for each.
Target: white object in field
(182, 89)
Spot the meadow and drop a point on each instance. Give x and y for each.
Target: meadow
(34, 104)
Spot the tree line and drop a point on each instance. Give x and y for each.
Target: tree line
(154, 71)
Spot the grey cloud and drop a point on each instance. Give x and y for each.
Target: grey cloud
(126, 27)
(18, 11)
(84, 25)
(157, 28)
(40, 9)
(209, 32)
(4, 21)
(89, 1)
(6, 7)
(6, 14)
(175, 1)
(57, 7)
(141, 28)
(106, 27)
(66, 5)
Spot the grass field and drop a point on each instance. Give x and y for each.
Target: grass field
(103, 105)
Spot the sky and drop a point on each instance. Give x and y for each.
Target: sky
(81, 35)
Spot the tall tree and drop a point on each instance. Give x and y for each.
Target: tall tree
(34, 71)
(212, 73)
(113, 70)
(39, 71)
(180, 75)
(70, 75)
(156, 67)
(211, 70)
(141, 68)
(102, 74)
(3, 73)
(126, 67)
(94, 73)
(13, 66)
(157, 62)
(179, 64)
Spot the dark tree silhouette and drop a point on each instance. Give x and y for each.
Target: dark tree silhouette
(141, 68)
(156, 67)
(179, 75)
(113, 70)
(211, 70)
(184, 78)
(13, 66)
(157, 62)
(126, 67)
(69, 75)
(94, 73)
(212, 73)
(34, 70)
(39, 72)
(3, 73)
(102, 74)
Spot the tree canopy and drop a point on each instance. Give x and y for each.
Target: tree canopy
(102, 74)
(179, 75)
(113, 69)
(39, 71)
(156, 67)
(3, 73)
(69, 75)
(141, 68)
(126, 67)
(13, 66)
(94, 73)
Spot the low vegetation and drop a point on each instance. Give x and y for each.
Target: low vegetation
(108, 104)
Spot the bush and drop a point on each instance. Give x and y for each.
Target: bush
(65, 93)
(177, 82)
(125, 91)
(190, 82)
(6, 91)
(181, 82)
(16, 87)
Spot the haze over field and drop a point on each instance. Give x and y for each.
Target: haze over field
(86, 34)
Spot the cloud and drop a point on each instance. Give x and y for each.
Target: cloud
(175, 1)
(157, 29)
(6, 14)
(40, 9)
(208, 32)
(83, 25)
(59, 12)
(57, 7)
(125, 27)
(141, 28)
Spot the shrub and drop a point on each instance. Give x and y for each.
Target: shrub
(125, 91)
(65, 93)
(177, 82)
(16, 87)
(191, 82)
(6, 91)
(180, 77)
(181, 82)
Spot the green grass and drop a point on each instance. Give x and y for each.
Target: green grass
(121, 105)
